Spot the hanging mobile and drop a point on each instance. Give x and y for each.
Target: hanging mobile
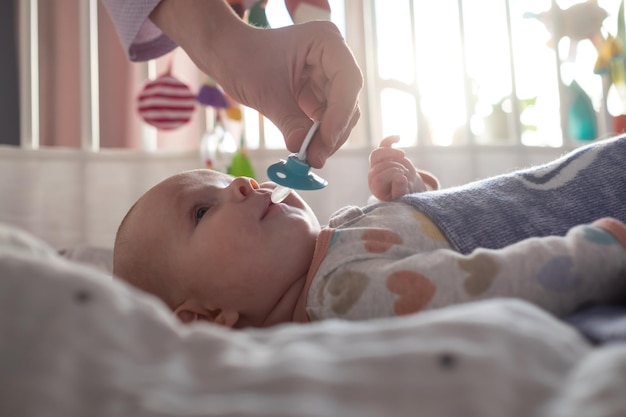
(295, 172)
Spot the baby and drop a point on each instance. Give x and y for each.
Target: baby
(216, 248)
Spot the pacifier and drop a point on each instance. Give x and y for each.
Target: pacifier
(295, 172)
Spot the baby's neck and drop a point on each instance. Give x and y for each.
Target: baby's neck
(285, 308)
(323, 241)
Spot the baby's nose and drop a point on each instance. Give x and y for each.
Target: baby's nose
(244, 185)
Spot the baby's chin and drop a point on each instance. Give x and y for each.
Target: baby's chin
(295, 200)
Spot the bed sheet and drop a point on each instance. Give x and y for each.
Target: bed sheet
(76, 342)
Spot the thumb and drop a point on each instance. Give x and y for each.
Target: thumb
(291, 121)
(294, 130)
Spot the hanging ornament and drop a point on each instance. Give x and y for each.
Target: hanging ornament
(233, 110)
(308, 10)
(166, 102)
(257, 16)
(217, 149)
(234, 113)
(580, 21)
(211, 94)
(240, 165)
(610, 51)
(581, 116)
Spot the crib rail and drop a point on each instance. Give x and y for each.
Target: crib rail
(29, 73)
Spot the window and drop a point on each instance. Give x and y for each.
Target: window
(260, 132)
(439, 73)
(72, 97)
(491, 72)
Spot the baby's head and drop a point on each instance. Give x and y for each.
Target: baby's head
(216, 248)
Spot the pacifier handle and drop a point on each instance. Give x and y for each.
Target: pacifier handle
(307, 139)
(295, 171)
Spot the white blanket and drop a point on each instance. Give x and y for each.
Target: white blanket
(74, 342)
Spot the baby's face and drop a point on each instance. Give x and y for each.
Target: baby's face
(224, 245)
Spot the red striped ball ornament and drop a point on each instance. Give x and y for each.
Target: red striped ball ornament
(166, 103)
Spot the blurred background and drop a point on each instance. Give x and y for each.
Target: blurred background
(473, 89)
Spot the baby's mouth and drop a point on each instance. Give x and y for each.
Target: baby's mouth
(267, 206)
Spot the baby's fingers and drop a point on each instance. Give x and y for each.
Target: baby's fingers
(389, 141)
(385, 151)
(399, 186)
(379, 155)
(381, 178)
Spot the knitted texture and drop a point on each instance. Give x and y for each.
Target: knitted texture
(578, 188)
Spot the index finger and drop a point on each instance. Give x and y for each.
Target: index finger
(345, 82)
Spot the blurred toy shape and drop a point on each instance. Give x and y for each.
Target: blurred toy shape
(219, 151)
(240, 165)
(610, 52)
(217, 148)
(581, 116)
(257, 16)
(166, 102)
(211, 94)
(578, 22)
(611, 65)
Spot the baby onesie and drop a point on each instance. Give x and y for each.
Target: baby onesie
(390, 260)
(506, 236)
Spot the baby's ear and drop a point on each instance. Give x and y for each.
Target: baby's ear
(191, 311)
(226, 318)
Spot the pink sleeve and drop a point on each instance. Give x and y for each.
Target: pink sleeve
(141, 39)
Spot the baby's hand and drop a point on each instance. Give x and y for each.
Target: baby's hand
(393, 175)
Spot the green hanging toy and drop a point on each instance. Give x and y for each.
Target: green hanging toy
(240, 165)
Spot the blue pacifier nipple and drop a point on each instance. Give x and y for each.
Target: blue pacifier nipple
(295, 172)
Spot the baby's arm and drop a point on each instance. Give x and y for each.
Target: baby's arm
(393, 175)
(557, 273)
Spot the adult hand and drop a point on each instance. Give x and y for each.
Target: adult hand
(393, 175)
(292, 75)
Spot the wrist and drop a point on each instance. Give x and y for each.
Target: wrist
(208, 30)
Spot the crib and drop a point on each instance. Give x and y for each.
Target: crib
(75, 341)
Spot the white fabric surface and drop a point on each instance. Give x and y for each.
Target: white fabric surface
(95, 256)
(75, 342)
(596, 388)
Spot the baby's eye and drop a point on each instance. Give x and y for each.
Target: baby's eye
(200, 212)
